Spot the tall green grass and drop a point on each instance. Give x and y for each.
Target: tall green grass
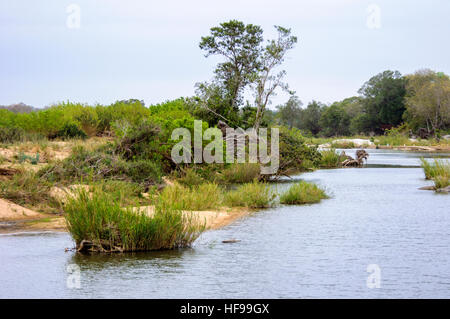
(252, 195)
(241, 173)
(303, 193)
(107, 227)
(438, 171)
(330, 159)
(198, 197)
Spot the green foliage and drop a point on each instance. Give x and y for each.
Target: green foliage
(330, 159)
(33, 159)
(198, 197)
(252, 195)
(241, 173)
(102, 221)
(26, 188)
(435, 168)
(335, 121)
(99, 165)
(384, 99)
(438, 171)
(239, 44)
(294, 153)
(69, 131)
(428, 100)
(11, 134)
(290, 113)
(303, 193)
(310, 117)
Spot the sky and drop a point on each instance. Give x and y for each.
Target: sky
(149, 49)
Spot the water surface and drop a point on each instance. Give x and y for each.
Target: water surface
(376, 215)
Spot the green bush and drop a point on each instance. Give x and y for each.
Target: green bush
(102, 225)
(100, 164)
(69, 131)
(302, 193)
(11, 134)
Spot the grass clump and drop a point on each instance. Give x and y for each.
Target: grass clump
(98, 223)
(438, 171)
(330, 159)
(252, 195)
(27, 189)
(343, 144)
(198, 197)
(303, 193)
(241, 173)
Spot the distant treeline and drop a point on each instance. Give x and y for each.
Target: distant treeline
(419, 101)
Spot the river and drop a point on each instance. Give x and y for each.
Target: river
(376, 216)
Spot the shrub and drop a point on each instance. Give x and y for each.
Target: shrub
(16, 134)
(68, 131)
(101, 164)
(27, 189)
(98, 223)
(302, 193)
(11, 134)
(252, 195)
(191, 178)
(198, 197)
(293, 153)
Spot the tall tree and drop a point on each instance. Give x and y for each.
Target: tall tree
(311, 117)
(384, 96)
(290, 113)
(428, 99)
(335, 120)
(267, 81)
(240, 45)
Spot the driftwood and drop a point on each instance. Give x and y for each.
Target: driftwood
(349, 161)
(5, 171)
(98, 246)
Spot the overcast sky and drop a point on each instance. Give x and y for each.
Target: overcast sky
(149, 49)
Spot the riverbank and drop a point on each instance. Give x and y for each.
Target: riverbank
(15, 218)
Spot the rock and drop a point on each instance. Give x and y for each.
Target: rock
(428, 188)
(446, 137)
(444, 190)
(230, 241)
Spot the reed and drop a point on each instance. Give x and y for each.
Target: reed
(303, 193)
(251, 195)
(98, 223)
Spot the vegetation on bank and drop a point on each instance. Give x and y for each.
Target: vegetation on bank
(303, 193)
(438, 171)
(99, 223)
